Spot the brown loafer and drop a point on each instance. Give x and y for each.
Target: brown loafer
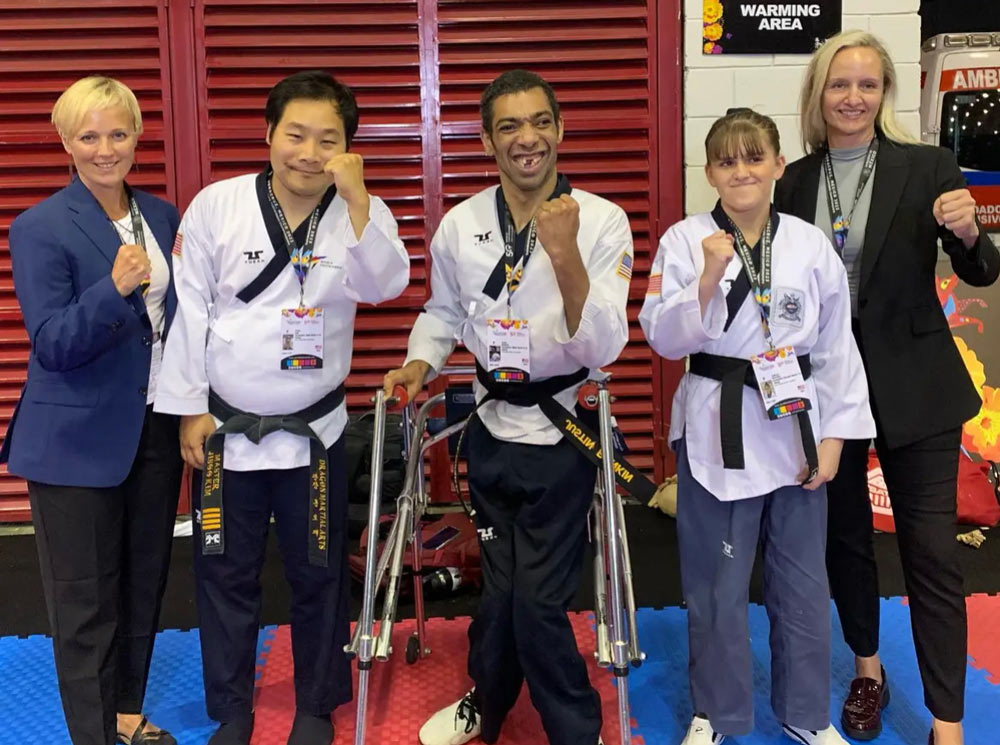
(862, 713)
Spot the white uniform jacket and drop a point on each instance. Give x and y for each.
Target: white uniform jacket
(466, 248)
(218, 341)
(810, 311)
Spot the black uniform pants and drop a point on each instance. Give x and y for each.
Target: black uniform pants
(531, 504)
(229, 593)
(104, 554)
(922, 483)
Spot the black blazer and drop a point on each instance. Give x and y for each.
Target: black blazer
(919, 385)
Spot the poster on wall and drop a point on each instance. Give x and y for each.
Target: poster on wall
(739, 27)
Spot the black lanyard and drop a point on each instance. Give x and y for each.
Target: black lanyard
(760, 281)
(301, 256)
(510, 253)
(138, 234)
(839, 223)
(133, 208)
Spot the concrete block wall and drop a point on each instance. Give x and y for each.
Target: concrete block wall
(770, 83)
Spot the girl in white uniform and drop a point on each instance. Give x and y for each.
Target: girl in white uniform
(760, 302)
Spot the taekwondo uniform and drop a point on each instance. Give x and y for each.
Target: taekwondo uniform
(531, 489)
(272, 375)
(738, 471)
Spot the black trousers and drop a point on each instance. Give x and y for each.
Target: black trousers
(922, 483)
(229, 593)
(104, 554)
(531, 504)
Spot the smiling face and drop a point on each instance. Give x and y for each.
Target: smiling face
(853, 96)
(308, 134)
(103, 148)
(524, 138)
(744, 180)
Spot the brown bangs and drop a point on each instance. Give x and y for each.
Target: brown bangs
(742, 133)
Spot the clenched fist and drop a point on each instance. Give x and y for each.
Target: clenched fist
(348, 173)
(130, 268)
(558, 222)
(956, 210)
(719, 251)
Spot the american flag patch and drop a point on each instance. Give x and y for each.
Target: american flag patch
(625, 266)
(178, 242)
(655, 284)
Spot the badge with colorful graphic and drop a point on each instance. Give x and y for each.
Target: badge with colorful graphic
(508, 350)
(301, 339)
(780, 381)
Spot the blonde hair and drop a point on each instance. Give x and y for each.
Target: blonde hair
(741, 132)
(93, 93)
(813, 125)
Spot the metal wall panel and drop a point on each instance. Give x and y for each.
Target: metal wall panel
(599, 57)
(202, 70)
(243, 48)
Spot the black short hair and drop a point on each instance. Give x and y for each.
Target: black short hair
(513, 81)
(313, 85)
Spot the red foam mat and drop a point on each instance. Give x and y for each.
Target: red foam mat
(402, 697)
(984, 634)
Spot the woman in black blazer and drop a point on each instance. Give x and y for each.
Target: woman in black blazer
(896, 198)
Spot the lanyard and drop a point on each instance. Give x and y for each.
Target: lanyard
(138, 234)
(510, 257)
(133, 208)
(301, 256)
(760, 282)
(840, 224)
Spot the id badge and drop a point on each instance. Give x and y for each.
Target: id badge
(508, 350)
(781, 384)
(301, 339)
(155, 363)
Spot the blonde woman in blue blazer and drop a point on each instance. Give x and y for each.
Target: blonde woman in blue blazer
(93, 277)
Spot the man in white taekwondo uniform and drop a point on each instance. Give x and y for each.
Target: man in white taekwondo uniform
(269, 270)
(532, 276)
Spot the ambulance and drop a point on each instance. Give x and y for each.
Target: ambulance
(960, 110)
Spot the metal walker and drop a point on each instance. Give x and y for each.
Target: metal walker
(617, 636)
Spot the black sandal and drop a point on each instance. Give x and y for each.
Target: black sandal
(153, 737)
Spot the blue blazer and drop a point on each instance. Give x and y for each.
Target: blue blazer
(81, 411)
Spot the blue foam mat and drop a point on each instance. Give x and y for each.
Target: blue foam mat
(661, 698)
(175, 697)
(658, 690)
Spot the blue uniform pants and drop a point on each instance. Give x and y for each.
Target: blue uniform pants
(718, 543)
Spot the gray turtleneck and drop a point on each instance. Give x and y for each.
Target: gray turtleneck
(847, 166)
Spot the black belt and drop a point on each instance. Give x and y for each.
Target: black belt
(256, 427)
(540, 393)
(734, 374)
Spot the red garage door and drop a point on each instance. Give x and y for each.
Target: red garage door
(43, 48)
(418, 68)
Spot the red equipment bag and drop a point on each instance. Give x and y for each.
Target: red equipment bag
(978, 494)
(450, 541)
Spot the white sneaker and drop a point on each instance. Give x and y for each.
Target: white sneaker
(453, 725)
(828, 736)
(701, 733)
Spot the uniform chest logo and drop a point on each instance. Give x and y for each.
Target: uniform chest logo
(790, 306)
(482, 238)
(252, 257)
